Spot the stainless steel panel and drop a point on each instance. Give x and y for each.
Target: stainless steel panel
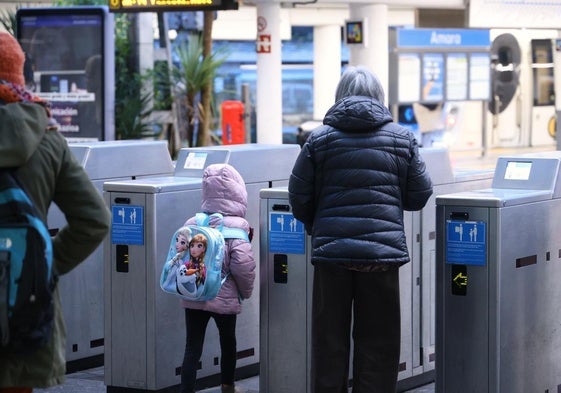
(169, 202)
(285, 313)
(82, 288)
(501, 334)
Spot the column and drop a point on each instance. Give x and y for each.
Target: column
(374, 54)
(269, 74)
(327, 67)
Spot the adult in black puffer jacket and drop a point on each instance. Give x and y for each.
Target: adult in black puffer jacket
(349, 186)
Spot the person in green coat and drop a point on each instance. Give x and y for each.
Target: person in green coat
(49, 172)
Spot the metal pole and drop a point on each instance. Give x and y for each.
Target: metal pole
(247, 112)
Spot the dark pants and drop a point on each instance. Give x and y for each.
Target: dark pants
(368, 301)
(196, 322)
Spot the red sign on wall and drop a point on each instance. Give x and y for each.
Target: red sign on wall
(263, 43)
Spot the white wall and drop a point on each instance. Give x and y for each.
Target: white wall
(242, 24)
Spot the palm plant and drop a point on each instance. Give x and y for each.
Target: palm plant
(8, 20)
(132, 102)
(194, 74)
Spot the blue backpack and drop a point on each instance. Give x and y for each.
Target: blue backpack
(27, 278)
(192, 278)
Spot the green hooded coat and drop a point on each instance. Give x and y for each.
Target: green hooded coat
(50, 173)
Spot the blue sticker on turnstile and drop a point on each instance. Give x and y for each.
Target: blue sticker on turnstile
(466, 242)
(127, 225)
(286, 234)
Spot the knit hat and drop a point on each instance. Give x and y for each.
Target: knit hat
(12, 59)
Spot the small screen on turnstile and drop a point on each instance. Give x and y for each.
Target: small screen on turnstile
(195, 160)
(518, 170)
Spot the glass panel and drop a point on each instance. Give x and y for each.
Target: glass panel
(542, 66)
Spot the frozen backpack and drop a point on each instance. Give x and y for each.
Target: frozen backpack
(195, 272)
(27, 277)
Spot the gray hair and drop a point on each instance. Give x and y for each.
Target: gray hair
(359, 81)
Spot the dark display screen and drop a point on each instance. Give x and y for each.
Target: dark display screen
(65, 66)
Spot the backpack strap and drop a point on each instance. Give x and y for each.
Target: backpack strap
(235, 233)
(204, 219)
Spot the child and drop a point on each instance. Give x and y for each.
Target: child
(223, 192)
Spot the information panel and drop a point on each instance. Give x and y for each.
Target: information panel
(286, 234)
(457, 76)
(433, 72)
(436, 65)
(466, 242)
(409, 77)
(127, 226)
(479, 79)
(171, 5)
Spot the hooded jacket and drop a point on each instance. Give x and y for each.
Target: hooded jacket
(224, 192)
(49, 173)
(351, 182)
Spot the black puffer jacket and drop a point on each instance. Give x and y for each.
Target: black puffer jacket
(351, 182)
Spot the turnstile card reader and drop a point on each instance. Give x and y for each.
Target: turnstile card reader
(497, 282)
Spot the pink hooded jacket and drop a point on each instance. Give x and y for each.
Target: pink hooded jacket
(224, 192)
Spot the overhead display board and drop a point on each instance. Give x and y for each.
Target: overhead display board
(171, 5)
(436, 65)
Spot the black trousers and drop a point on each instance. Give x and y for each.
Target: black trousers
(370, 303)
(196, 322)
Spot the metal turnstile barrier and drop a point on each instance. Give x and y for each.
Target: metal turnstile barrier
(81, 289)
(497, 293)
(145, 327)
(446, 179)
(285, 298)
(286, 280)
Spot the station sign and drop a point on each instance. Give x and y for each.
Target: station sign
(436, 65)
(171, 5)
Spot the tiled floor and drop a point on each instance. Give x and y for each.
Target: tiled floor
(91, 381)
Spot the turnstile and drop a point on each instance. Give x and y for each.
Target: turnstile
(145, 327)
(286, 280)
(286, 276)
(497, 293)
(81, 289)
(446, 179)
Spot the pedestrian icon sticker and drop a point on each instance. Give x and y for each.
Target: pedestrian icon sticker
(286, 234)
(466, 242)
(127, 225)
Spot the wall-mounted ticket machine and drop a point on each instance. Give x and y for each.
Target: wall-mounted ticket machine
(498, 263)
